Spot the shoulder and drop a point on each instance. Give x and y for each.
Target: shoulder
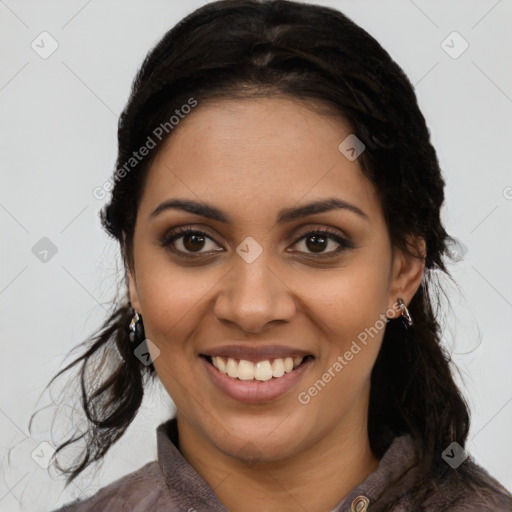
(466, 488)
(469, 488)
(472, 489)
(143, 488)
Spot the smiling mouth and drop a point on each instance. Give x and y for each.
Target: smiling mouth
(268, 369)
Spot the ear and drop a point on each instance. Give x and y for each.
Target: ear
(407, 273)
(130, 276)
(132, 290)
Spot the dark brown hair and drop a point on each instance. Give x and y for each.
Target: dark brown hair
(249, 48)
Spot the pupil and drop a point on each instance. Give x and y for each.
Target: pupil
(191, 239)
(318, 243)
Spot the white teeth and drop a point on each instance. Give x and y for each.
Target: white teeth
(288, 364)
(232, 368)
(262, 370)
(245, 370)
(221, 365)
(278, 368)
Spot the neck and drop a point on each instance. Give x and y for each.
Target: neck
(316, 479)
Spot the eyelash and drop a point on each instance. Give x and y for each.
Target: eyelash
(178, 233)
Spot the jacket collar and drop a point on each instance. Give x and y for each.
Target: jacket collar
(396, 467)
(181, 478)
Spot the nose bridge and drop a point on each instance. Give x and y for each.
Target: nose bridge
(253, 294)
(253, 278)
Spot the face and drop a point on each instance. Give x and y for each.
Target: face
(246, 269)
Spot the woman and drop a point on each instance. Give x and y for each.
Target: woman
(277, 204)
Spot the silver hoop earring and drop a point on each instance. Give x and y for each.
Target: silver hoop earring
(405, 313)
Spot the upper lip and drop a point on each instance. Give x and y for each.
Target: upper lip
(255, 353)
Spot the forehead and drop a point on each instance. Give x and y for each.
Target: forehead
(257, 154)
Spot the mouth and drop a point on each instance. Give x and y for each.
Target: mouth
(262, 371)
(256, 382)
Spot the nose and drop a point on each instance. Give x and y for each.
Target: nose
(254, 295)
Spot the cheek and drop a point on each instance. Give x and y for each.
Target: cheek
(173, 298)
(348, 308)
(347, 302)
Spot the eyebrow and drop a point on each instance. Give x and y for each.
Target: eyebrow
(286, 215)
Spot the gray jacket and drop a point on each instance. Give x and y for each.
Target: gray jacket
(170, 484)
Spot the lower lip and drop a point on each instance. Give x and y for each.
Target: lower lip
(253, 391)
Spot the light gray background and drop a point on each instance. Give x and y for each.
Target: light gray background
(58, 142)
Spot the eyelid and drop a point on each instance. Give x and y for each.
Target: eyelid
(335, 232)
(180, 231)
(176, 233)
(343, 241)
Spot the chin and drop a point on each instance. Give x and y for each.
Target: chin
(259, 438)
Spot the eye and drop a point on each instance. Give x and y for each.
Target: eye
(318, 241)
(187, 241)
(191, 243)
